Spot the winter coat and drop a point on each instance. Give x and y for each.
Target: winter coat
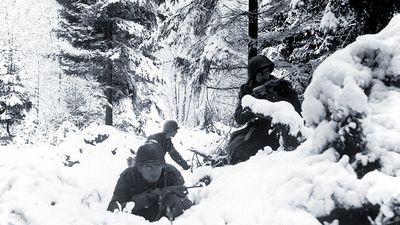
(256, 134)
(131, 183)
(284, 92)
(167, 146)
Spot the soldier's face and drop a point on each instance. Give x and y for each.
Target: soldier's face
(171, 134)
(263, 76)
(151, 172)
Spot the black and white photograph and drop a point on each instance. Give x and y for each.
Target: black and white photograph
(199, 112)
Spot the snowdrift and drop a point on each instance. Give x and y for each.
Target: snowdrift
(351, 158)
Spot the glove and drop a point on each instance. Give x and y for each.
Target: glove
(144, 200)
(247, 114)
(185, 166)
(174, 204)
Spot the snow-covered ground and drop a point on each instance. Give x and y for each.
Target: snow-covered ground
(274, 188)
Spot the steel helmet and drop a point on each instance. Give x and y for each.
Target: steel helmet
(257, 63)
(170, 126)
(150, 154)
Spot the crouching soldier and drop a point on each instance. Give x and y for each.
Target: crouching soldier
(170, 129)
(155, 187)
(257, 134)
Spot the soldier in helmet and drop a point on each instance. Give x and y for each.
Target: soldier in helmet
(138, 184)
(256, 135)
(163, 138)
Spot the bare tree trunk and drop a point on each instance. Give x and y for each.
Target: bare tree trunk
(109, 113)
(253, 28)
(8, 128)
(189, 104)
(184, 104)
(176, 98)
(108, 34)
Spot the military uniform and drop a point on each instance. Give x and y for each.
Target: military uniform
(131, 183)
(167, 146)
(256, 135)
(132, 186)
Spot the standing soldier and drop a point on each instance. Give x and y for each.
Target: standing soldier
(163, 138)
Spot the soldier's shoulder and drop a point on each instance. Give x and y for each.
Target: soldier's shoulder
(245, 89)
(129, 172)
(155, 136)
(173, 175)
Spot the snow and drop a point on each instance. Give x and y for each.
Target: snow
(280, 112)
(296, 3)
(36, 188)
(329, 22)
(270, 188)
(349, 84)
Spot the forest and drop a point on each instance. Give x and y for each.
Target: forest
(83, 83)
(67, 64)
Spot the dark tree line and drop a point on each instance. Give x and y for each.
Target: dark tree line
(303, 45)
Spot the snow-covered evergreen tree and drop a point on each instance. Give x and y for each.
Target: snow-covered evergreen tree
(14, 99)
(106, 36)
(207, 63)
(212, 37)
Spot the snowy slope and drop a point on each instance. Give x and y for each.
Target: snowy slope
(274, 188)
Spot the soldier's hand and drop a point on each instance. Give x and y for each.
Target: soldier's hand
(175, 204)
(144, 200)
(186, 166)
(247, 114)
(170, 199)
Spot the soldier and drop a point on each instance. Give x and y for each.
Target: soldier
(170, 129)
(246, 142)
(143, 184)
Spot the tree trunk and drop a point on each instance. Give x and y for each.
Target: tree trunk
(108, 34)
(184, 103)
(253, 28)
(8, 128)
(177, 103)
(109, 74)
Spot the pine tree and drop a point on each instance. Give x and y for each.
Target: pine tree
(301, 34)
(14, 100)
(208, 67)
(106, 36)
(296, 35)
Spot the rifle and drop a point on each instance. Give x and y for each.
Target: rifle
(161, 193)
(267, 87)
(207, 159)
(177, 189)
